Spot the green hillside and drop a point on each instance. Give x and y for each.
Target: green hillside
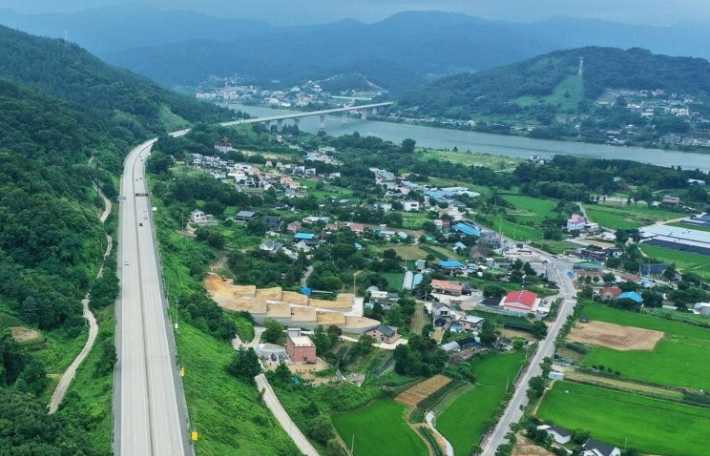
(67, 121)
(134, 106)
(579, 93)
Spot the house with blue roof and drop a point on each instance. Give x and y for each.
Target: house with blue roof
(304, 236)
(466, 229)
(450, 265)
(631, 295)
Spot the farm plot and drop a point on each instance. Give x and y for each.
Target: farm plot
(531, 209)
(675, 359)
(468, 418)
(624, 217)
(615, 336)
(422, 390)
(651, 425)
(378, 429)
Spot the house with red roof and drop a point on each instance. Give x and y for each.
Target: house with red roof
(608, 293)
(446, 287)
(521, 301)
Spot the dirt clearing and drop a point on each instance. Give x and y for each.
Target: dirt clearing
(26, 336)
(615, 336)
(525, 447)
(423, 390)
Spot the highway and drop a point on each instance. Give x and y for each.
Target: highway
(513, 412)
(149, 404)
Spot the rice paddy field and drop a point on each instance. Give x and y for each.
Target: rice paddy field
(651, 425)
(380, 428)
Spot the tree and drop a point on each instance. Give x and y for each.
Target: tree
(281, 375)
(539, 329)
(488, 335)
(273, 332)
(33, 378)
(365, 344)
(108, 359)
(245, 365)
(536, 388)
(321, 340)
(408, 146)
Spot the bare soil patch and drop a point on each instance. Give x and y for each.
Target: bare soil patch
(525, 447)
(26, 336)
(422, 390)
(613, 336)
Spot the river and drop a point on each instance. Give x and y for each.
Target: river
(471, 141)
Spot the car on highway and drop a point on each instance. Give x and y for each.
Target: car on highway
(126, 262)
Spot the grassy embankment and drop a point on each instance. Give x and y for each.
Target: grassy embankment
(227, 413)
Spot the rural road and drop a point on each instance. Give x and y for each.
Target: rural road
(513, 412)
(271, 401)
(69, 374)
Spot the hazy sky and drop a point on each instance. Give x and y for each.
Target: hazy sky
(653, 12)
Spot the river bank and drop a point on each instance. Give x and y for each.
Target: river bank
(476, 142)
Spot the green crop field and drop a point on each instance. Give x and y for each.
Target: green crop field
(414, 220)
(651, 425)
(674, 361)
(379, 428)
(700, 264)
(531, 209)
(517, 231)
(625, 217)
(474, 410)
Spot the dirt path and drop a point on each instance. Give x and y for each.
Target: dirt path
(622, 385)
(271, 401)
(69, 374)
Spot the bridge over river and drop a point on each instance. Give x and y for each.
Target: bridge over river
(296, 116)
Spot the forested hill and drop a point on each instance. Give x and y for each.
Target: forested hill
(553, 82)
(60, 107)
(135, 106)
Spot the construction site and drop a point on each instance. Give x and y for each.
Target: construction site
(290, 308)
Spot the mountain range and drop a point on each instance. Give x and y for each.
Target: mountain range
(178, 48)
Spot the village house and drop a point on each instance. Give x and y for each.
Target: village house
(409, 206)
(596, 448)
(441, 310)
(472, 323)
(576, 222)
(608, 293)
(384, 334)
(670, 200)
(300, 349)
(273, 223)
(198, 217)
(446, 287)
(294, 227)
(558, 434)
(245, 216)
(271, 246)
